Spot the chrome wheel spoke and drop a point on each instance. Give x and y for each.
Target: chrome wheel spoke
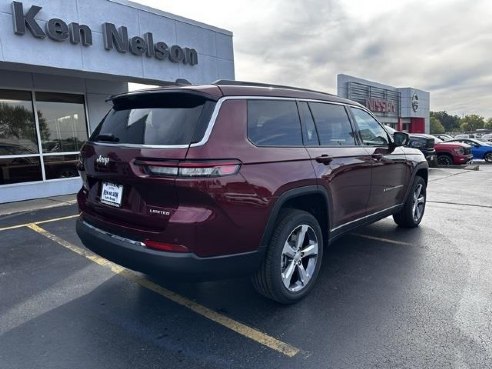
(288, 273)
(310, 250)
(301, 235)
(288, 250)
(303, 275)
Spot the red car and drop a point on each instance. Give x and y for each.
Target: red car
(236, 178)
(448, 153)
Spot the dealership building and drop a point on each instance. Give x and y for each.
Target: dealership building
(405, 109)
(60, 61)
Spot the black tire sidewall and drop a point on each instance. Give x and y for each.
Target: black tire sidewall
(448, 160)
(408, 208)
(290, 220)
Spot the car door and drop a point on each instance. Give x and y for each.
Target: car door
(341, 164)
(390, 170)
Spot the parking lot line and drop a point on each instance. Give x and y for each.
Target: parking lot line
(40, 222)
(251, 333)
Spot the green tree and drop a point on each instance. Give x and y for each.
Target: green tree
(488, 124)
(450, 122)
(472, 122)
(436, 126)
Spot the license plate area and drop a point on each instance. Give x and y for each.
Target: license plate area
(111, 194)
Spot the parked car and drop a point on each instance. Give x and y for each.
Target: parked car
(444, 137)
(464, 135)
(486, 137)
(480, 149)
(447, 152)
(424, 143)
(236, 178)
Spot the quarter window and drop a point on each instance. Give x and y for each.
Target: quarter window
(333, 124)
(274, 123)
(372, 133)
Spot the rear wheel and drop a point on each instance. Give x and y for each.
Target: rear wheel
(412, 212)
(488, 157)
(444, 160)
(293, 258)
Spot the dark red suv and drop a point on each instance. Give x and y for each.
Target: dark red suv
(235, 178)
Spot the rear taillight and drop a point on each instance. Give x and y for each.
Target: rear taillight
(164, 246)
(188, 169)
(82, 173)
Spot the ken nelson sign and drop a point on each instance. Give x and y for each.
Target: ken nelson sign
(114, 38)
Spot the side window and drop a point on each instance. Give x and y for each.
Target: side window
(274, 123)
(372, 133)
(333, 124)
(309, 128)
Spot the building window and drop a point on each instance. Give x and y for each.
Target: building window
(42, 145)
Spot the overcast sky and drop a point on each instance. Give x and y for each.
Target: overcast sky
(441, 46)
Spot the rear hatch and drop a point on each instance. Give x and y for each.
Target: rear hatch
(127, 165)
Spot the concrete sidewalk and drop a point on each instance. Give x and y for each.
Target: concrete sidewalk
(36, 204)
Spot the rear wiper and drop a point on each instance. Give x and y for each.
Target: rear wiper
(107, 137)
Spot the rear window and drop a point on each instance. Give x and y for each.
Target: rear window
(157, 119)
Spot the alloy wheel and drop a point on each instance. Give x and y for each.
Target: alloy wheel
(299, 258)
(418, 202)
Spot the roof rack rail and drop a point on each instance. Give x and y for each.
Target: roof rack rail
(227, 82)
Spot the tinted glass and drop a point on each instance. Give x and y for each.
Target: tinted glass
(60, 166)
(274, 123)
(167, 120)
(372, 133)
(23, 169)
(333, 124)
(309, 128)
(62, 121)
(17, 127)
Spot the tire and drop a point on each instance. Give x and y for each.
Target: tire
(445, 160)
(289, 270)
(412, 212)
(488, 157)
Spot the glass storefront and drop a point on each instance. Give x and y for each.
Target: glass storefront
(41, 134)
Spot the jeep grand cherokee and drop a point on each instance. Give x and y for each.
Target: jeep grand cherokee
(238, 178)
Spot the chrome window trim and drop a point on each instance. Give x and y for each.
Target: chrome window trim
(213, 120)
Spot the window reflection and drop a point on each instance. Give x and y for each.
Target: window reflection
(62, 128)
(62, 121)
(23, 169)
(60, 166)
(17, 125)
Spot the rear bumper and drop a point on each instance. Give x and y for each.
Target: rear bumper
(134, 255)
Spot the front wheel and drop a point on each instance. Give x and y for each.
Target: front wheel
(293, 258)
(445, 160)
(488, 157)
(412, 212)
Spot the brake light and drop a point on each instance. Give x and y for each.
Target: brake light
(217, 168)
(163, 246)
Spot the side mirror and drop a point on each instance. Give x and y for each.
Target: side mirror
(400, 139)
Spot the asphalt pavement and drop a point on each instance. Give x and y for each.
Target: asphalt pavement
(386, 298)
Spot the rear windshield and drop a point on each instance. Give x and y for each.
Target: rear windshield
(157, 119)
